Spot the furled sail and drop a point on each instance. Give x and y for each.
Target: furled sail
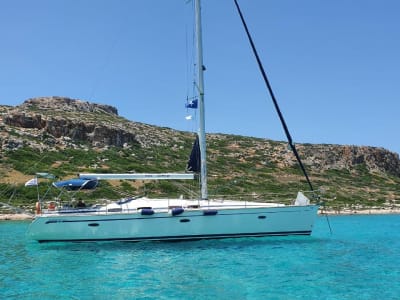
(194, 159)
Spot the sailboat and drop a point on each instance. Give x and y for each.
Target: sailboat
(144, 219)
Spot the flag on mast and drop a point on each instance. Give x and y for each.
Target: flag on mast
(32, 182)
(192, 104)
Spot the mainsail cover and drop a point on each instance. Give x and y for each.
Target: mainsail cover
(194, 164)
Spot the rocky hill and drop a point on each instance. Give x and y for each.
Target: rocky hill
(63, 122)
(347, 175)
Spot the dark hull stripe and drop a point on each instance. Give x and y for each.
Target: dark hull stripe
(186, 237)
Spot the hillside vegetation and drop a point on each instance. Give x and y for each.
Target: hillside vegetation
(64, 137)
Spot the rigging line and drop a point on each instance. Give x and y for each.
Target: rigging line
(289, 138)
(324, 212)
(190, 66)
(187, 58)
(329, 223)
(6, 189)
(108, 54)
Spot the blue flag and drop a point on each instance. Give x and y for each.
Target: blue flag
(192, 104)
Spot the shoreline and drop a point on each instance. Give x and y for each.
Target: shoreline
(372, 211)
(331, 212)
(15, 217)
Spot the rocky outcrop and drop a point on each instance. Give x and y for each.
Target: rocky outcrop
(21, 119)
(375, 159)
(80, 131)
(69, 122)
(67, 104)
(349, 157)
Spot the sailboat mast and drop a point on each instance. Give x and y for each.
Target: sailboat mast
(202, 131)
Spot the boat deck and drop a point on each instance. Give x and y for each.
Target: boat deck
(160, 205)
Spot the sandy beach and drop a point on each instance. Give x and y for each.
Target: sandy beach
(372, 211)
(15, 217)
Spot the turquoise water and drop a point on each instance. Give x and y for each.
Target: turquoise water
(361, 260)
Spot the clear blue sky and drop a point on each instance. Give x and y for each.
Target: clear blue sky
(334, 65)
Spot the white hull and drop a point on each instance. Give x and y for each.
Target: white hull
(225, 221)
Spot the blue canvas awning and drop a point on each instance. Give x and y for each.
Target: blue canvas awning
(76, 184)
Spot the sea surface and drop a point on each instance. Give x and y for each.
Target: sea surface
(359, 260)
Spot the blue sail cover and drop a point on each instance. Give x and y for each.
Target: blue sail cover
(76, 184)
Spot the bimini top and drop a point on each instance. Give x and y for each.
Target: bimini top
(77, 184)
